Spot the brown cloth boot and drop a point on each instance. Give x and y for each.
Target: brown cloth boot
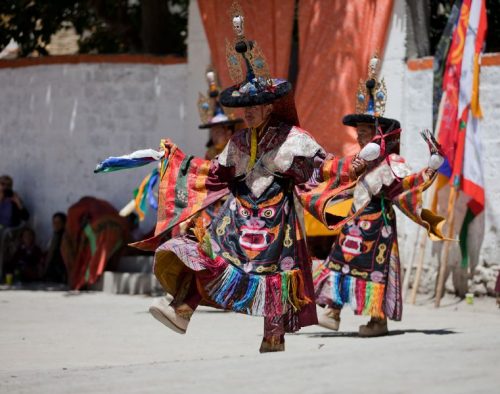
(272, 344)
(375, 328)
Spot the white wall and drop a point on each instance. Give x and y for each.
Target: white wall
(393, 63)
(198, 61)
(58, 121)
(417, 115)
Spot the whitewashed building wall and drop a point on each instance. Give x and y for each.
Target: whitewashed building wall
(57, 121)
(417, 115)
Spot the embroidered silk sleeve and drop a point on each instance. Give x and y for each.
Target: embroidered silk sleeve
(407, 196)
(328, 182)
(187, 185)
(391, 179)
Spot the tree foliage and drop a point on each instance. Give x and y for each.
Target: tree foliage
(104, 26)
(440, 11)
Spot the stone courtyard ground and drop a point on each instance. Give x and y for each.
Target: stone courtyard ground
(58, 342)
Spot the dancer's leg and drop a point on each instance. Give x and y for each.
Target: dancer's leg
(274, 335)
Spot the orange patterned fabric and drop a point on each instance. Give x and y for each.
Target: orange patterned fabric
(269, 22)
(336, 40)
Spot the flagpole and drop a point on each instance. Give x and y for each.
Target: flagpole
(444, 260)
(420, 262)
(421, 257)
(409, 268)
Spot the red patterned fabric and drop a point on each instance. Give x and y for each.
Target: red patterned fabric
(335, 179)
(188, 185)
(94, 234)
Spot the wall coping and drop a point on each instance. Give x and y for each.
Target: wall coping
(425, 63)
(92, 59)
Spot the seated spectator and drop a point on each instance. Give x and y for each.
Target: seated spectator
(134, 234)
(94, 236)
(497, 289)
(26, 265)
(12, 210)
(55, 270)
(134, 231)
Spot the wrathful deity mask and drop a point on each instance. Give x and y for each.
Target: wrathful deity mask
(352, 236)
(362, 239)
(258, 224)
(255, 233)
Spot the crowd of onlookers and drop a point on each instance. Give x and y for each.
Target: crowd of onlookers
(91, 230)
(21, 258)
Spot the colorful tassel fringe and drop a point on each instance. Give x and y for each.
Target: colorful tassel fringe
(364, 297)
(259, 295)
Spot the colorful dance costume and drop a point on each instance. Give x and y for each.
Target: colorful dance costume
(363, 267)
(252, 257)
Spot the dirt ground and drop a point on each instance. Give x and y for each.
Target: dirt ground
(58, 342)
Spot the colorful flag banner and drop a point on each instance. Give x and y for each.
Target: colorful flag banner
(135, 159)
(458, 125)
(145, 194)
(440, 57)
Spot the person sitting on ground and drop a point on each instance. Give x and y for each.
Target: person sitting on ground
(93, 240)
(26, 265)
(134, 230)
(55, 270)
(12, 210)
(497, 289)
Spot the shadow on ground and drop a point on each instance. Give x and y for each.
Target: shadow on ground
(354, 334)
(35, 286)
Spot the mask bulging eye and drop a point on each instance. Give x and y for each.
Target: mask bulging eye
(244, 212)
(365, 224)
(268, 212)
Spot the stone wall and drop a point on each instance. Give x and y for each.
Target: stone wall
(57, 121)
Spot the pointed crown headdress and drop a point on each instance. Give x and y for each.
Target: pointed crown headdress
(371, 98)
(211, 111)
(256, 87)
(372, 93)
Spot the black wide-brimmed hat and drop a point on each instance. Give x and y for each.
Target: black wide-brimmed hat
(211, 111)
(386, 124)
(255, 92)
(257, 87)
(371, 98)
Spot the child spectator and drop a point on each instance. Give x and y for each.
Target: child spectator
(26, 264)
(55, 269)
(12, 210)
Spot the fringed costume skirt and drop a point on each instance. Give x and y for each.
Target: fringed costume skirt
(363, 269)
(251, 259)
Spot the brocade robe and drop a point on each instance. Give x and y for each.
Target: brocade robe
(363, 268)
(252, 257)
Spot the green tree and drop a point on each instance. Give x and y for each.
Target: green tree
(104, 26)
(440, 11)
